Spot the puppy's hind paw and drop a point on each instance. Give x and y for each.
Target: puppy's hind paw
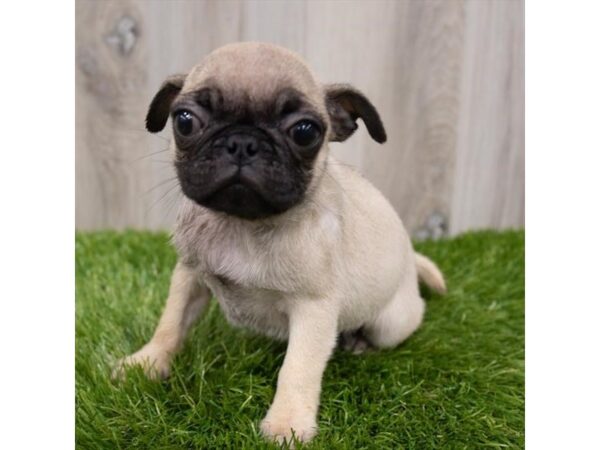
(354, 341)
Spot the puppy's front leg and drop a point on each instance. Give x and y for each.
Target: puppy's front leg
(312, 337)
(188, 297)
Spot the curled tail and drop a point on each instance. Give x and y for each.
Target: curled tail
(430, 274)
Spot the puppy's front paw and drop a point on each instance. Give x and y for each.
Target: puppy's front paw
(155, 362)
(279, 423)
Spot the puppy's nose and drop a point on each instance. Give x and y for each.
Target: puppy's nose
(242, 146)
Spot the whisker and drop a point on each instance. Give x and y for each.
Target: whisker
(344, 193)
(161, 162)
(178, 196)
(162, 183)
(150, 154)
(339, 163)
(168, 191)
(147, 133)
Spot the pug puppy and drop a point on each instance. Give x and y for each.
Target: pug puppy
(290, 242)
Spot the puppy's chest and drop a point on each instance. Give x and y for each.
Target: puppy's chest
(248, 260)
(253, 272)
(262, 310)
(250, 286)
(250, 278)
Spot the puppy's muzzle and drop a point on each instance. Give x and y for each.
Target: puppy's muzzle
(233, 173)
(243, 147)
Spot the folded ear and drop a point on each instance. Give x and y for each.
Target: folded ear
(158, 112)
(345, 105)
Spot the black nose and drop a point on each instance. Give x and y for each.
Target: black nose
(242, 146)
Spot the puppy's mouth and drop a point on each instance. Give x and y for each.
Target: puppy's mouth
(236, 192)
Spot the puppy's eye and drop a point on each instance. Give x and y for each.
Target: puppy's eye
(186, 123)
(305, 133)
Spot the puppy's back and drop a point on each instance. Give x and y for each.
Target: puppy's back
(377, 254)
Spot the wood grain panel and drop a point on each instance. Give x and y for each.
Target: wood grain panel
(446, 76)
(110, 69)
(489, 186)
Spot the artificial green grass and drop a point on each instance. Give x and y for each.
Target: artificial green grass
(458, 382)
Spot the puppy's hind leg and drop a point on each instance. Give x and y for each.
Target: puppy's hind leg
(353, 341)
(187, 299)
(397, 320)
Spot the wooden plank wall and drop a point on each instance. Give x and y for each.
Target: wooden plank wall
(446, 75)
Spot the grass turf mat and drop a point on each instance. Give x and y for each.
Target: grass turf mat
(458, 382)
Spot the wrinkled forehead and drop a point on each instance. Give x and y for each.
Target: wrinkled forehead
(256, 75)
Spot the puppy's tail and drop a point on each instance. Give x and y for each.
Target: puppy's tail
(430, 274)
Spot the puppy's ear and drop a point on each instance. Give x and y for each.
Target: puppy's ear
(158, 112)
(345, 105)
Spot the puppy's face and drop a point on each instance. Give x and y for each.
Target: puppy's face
(250, 128)
(246, 158)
